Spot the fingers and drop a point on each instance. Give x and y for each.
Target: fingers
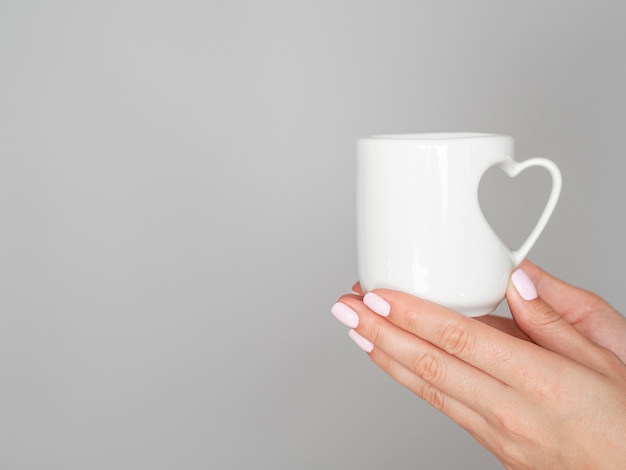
(453, 408)
(571, 302)
(357, 289)
(587, 312)
(506, 325)
(440, 378)
(546, 327)
(488, 349)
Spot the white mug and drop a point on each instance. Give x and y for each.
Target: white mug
(420, 228)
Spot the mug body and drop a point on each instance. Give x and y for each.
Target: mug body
(420, 228)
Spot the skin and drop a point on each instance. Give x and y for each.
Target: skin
(544, 390)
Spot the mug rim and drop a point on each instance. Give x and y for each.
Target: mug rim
(435, 136)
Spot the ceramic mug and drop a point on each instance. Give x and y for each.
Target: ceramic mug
(420, 228)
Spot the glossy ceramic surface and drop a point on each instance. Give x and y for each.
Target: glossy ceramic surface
(420, 228)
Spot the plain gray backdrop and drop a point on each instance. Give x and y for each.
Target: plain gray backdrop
(177, 214)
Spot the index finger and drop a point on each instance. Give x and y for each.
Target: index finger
(498, 354)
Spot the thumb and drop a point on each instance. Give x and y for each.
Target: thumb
(545, 326)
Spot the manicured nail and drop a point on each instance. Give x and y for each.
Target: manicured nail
(377, 304)
(524, 285)
(361, 342)
(345, 315)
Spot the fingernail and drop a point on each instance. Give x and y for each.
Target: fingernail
(377, 304)
(345, 315)
(361, 342)
(524, 285)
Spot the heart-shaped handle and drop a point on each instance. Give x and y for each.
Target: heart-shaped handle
(513, 168)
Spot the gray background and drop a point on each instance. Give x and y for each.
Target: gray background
(177, 214)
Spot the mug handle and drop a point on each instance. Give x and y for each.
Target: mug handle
(513, 168)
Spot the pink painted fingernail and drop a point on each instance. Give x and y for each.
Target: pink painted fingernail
(377, 304)
(361, 342)
(524, 285)
(345, 315)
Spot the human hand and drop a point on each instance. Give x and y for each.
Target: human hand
(556, 401)
(586, 311)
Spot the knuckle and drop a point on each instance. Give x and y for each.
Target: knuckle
(518, 424)
(375, 333)
(549, 389)
(410, 320)
(457, 339)
(544, 316)
(508, 423)
(508, 451)
(383, 361)
(610, 363)
(433, 396)
(427, 367)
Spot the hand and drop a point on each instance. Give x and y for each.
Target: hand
(586, 311)
(556, 401)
